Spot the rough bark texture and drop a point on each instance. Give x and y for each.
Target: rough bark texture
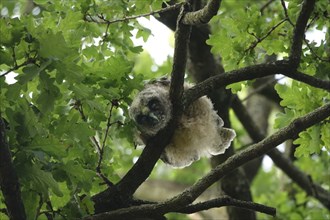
(203, 64)
(8, 180)
(184, 200)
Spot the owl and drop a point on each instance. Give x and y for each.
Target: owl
(200, 130)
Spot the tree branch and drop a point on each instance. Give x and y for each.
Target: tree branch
(260, 39)
(100, 148)
(266, 5)
(286, 12)
(280, 161)
(299, 32)
(203, 15)
(151, 153)
(232, 163)
(182, 36)
(254, 151)
(9, 181)
(249, 73)
(227, 201)
(300, 178)
(100, 19)
(18, 66)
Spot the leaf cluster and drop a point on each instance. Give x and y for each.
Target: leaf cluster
(60, 75)
(68, 72)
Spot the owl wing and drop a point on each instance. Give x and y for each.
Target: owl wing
(226, 136)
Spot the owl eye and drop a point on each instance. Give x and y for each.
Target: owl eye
(154, 104)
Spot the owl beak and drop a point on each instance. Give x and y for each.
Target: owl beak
(152, 115)
(145, 111)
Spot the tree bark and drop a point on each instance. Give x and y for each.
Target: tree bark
(8, 180)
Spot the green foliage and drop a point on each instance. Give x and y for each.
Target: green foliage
(69, 73)
(299, 99)
(72, 72)
(290, 201)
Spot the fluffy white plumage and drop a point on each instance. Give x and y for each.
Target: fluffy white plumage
(200, 131)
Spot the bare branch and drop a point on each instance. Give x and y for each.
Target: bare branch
(182, 36)
(151, 153)
(249, 73)
(299, 32)
(252, 152)
(232, 163)
(228, 201)
(203, 15)
(100, 19)
(286, 12)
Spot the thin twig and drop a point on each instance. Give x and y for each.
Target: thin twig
(79, 107)
(41, 202)
(259, 40)
(29, 60)
(114, 103)
(16, 67)
(286, 12)
(316, 16)
(314, 53)
(266, 5)
(261, 87)
(103, 20)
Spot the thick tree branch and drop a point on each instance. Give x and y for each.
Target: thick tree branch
(151, 153)
(147, 210)
(203, 15)
(182, 36)
(9, 181)
(256, 150)
(227, 201)
(202, 64)
(142, 168)
(280, 161)
(249, 73)
(299, 32)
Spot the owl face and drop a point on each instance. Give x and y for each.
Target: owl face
(151, 109)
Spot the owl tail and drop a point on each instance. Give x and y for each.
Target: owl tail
(226, 136)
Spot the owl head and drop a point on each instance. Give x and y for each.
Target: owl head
(151, 109)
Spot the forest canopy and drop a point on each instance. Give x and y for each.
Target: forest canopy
(69, 71)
